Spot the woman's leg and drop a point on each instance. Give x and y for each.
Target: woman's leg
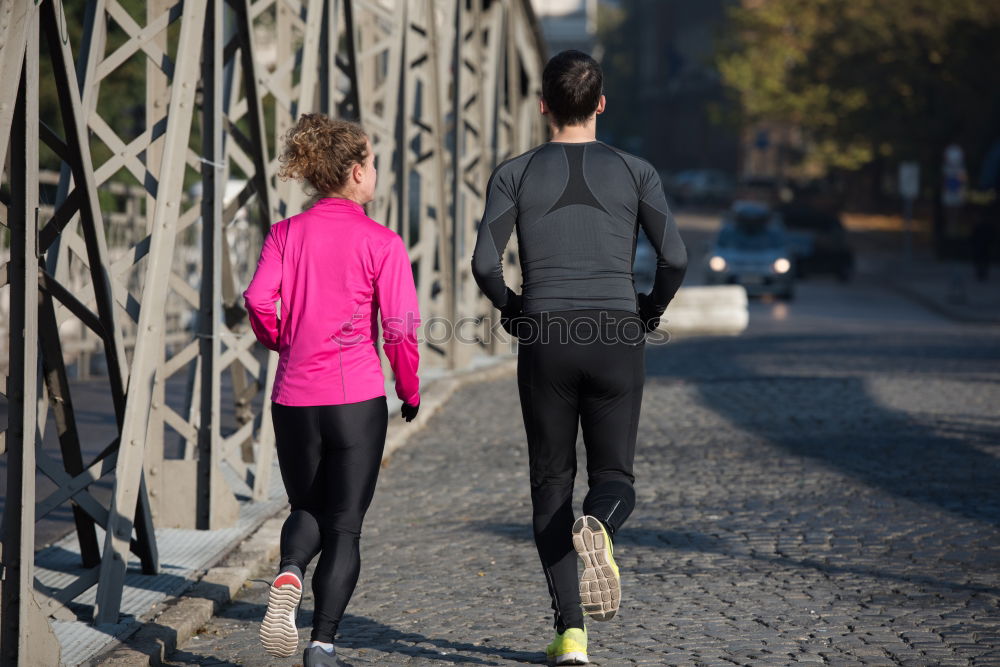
(300, 447)
(299, 442)
(353, 441)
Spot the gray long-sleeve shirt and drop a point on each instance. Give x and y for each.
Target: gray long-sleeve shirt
(577, 208)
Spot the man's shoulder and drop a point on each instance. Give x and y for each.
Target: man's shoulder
(634, 162)
(517, 164)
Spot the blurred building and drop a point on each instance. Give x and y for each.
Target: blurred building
(568, 24)
(668, 100)
(664, 92)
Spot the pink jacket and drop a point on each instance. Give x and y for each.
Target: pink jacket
(333, 269)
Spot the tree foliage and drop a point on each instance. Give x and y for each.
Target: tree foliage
(896, 79)
(122, 94)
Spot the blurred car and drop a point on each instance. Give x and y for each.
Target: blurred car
(644, 265)
(752, 250)
(818, 241)
(701, 186)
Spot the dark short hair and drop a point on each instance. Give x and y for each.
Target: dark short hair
(572, 84)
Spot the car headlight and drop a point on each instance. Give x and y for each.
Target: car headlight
(781, 265)
(717, 264)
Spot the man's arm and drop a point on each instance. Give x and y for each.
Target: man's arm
(494, 232)
(671, 255)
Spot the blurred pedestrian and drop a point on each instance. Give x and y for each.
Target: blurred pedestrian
(983, 234)
(953, 190)
(578, 205)
(331, 269)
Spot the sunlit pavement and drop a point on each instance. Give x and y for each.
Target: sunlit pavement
(822, 489)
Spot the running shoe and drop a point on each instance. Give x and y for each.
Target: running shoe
(600, 583)
(568, 648)
(317, 656)
(278, 633)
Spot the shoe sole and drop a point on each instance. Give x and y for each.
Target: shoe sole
(574, 658)
(600, 587)
(278, 633)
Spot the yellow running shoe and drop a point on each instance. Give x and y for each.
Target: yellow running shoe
(600, 583)
(568, 648)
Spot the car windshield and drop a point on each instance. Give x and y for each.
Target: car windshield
(800, 218)
(748, 237)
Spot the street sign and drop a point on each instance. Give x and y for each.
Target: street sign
(909, 180)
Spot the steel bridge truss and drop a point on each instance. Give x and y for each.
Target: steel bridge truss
(445, 89)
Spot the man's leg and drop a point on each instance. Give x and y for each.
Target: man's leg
(610, 399)
(547, 387)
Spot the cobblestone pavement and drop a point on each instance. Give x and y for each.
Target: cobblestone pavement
(818, 494)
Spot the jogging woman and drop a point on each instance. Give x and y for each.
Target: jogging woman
(333, 270)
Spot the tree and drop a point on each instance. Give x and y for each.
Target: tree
(869, 79)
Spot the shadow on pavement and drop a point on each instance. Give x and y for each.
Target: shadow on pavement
(359, 633)
(638, 536)
(702, 543)
(822, 384)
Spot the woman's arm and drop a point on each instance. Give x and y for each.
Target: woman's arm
(265, 289)
(400, 316)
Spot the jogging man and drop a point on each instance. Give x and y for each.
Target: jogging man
(578, 205)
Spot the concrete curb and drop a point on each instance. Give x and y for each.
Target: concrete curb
(176, 621)
(713, 310)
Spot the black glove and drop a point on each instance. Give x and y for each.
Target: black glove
(510, 312)
(408, 411)
(648, 313)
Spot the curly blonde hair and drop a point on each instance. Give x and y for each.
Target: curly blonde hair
(321, 151)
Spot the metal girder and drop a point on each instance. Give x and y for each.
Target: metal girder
(445, 89)
(128, 471)
(15, 26)
(476, 26)
(423, 192)
(25, 635)
(80, 202)
(377, 30)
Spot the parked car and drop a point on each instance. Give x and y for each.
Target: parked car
(752, 250)
(701, 186)
(644, 265)
(818, 241)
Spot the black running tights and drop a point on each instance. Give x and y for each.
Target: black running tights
(329, 457)
(597, 384)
